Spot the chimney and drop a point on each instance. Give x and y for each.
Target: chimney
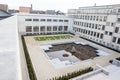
(31, 7)
(95, 4)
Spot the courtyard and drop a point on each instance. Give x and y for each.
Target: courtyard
(43, 60)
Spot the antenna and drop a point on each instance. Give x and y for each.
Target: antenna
(94, 4)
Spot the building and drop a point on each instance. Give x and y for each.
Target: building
(51, 12)
(12, 11)
(4, 14)
(4, 7)
(24, 9)
(43, 24)
(37, 12)
(100, 24)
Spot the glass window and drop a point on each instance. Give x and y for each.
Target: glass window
(60, 20)
(36, 29)
(65, 28)
(118, 41)
(116, 29)
(42, 28)
(103, 27)
(28, 28)
(35, 19)
(48, 28)
(118, 19)
(55, 20)
(114, 39)
(110, 33)
(101, 36)
(28, 19)
(42, 19)
(49, 20)
(66, 21)
(60, 28)
(54, 28)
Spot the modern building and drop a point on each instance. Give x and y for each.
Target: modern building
(100, 24)
(4, 7)
(43, 24)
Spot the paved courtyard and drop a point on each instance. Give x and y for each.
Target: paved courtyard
(45, 70)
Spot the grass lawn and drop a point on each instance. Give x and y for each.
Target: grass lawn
(44, 38)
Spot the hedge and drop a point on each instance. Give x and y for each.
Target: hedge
(73, 74)
(31, 72)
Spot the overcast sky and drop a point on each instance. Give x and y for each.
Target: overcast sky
(62, 5)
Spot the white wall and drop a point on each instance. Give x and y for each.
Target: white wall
(22, 23)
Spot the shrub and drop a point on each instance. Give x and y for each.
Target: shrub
(28, 61)
(73, 74)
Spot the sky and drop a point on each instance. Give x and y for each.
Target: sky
(62, 5)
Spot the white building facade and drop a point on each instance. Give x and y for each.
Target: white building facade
(100, 24)
(43, 24)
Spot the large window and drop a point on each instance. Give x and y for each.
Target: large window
(42, 20)
(55, 20)
(114, 39)
(65, 20)
(118, 41)
(101, 36)
(28, 19)
(54, 28)
(60, 28)
(60, 20)
(65, 28)
(48, 28)
(116, 29)
(103, 27)
(36, 29)
(118, 19)
(28, 28)
(49, 20)
(42, 28)
(35, 19)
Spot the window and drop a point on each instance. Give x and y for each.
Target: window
(96, 26)
(118, 10)
(48, 28)
(94, 33)
(66, 28)
(28, 19)
(114, 39)
(98, 35)
(116, 29)
(54, 28)
(103, 27)
(42, 20)
(65, 20)
(118, 41)
(60, 28)
(112, 24)
(28, 28)
(55, 20)
(49, 20)
(106, 32)
(101, 36)
(60, 20)
(105, 18)
(118, 19)
(36, 29)
(35, 19)
(42, 28)
(110, 33)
